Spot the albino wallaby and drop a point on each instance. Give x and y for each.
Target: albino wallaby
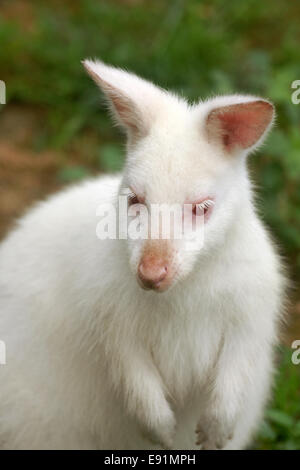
(96, 362)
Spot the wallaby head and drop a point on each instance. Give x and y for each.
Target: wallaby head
(185, 155)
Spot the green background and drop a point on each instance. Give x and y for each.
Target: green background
(198, 48)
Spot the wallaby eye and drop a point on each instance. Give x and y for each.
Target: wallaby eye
(133, 199)
(202, 208)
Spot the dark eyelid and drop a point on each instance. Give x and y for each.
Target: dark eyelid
(134, 194)
(132, 198)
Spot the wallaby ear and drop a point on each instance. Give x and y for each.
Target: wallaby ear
(241, 125)
(127, 95)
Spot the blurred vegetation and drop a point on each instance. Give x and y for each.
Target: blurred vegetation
(198, 48)
(281, 428)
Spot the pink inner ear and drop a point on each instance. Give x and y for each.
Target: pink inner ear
(240, 125)
(125, 110)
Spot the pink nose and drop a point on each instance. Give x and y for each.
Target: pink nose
(152, 272)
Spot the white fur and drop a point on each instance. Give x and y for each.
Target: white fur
(94, 361)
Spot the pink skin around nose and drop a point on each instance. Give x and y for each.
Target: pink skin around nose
(152, 272)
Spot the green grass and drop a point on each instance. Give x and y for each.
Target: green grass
(198, 48)
(281, 428)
